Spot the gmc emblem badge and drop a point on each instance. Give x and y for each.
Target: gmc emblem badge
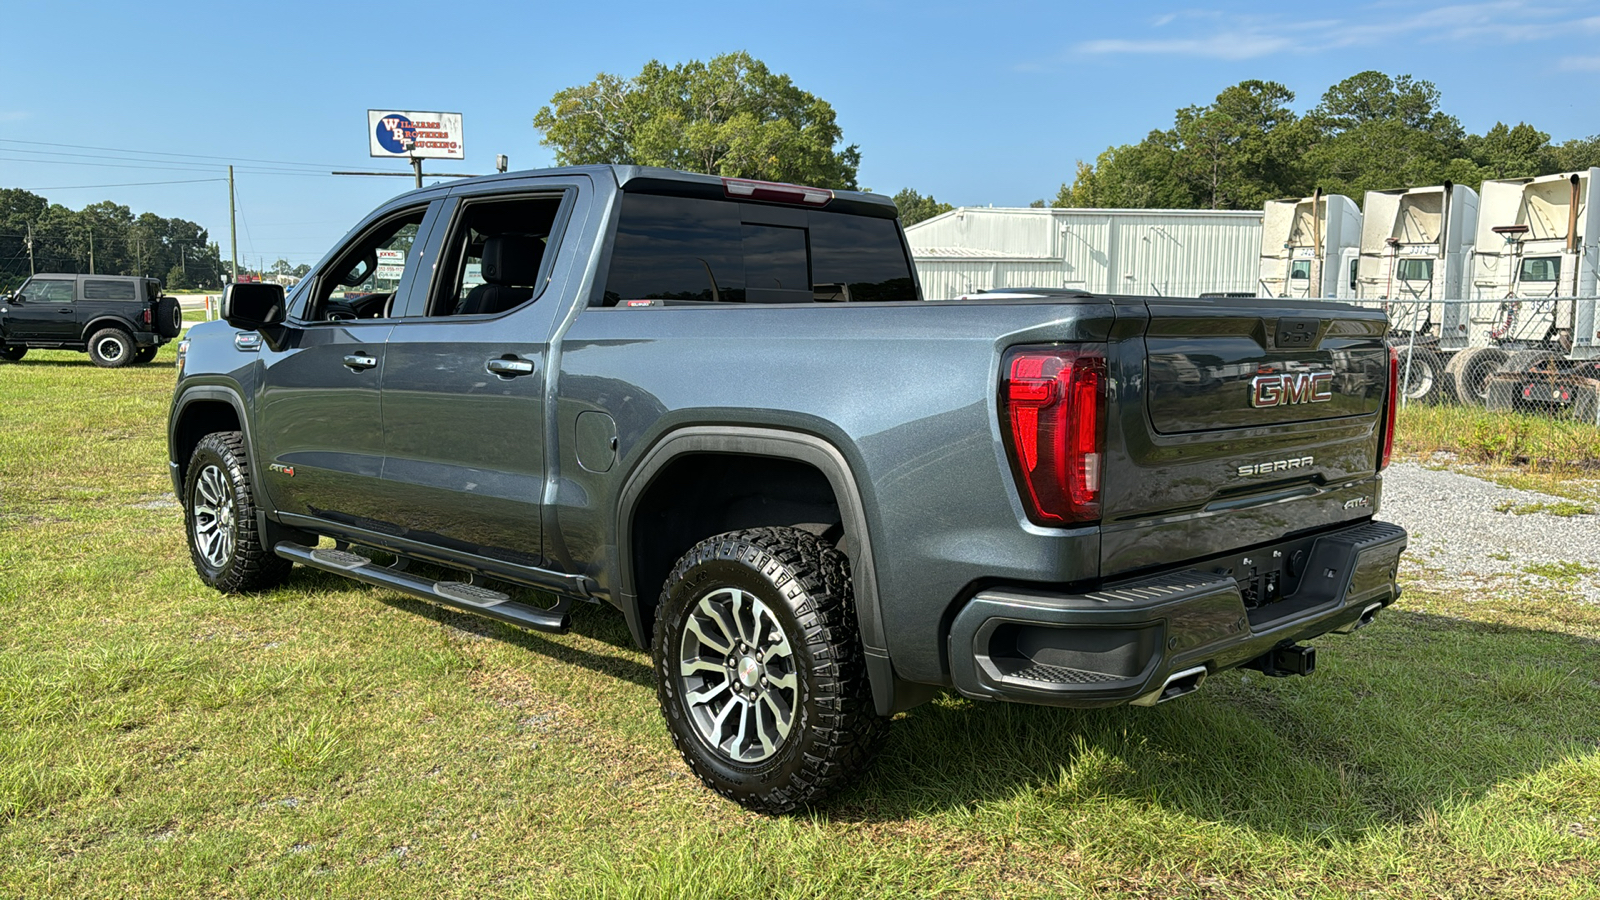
(1288, 389)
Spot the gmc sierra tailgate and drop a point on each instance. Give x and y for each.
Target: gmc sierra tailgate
(1240, 422)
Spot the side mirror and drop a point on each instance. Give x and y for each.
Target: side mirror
(253, 305)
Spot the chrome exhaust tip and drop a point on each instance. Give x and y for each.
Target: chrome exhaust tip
(1362, 621)
(1177, 685)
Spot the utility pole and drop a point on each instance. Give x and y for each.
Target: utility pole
(91, 251)
(416, 166)
(31, 271)
(233, 230)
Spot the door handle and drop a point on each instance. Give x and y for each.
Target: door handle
(65, 312)
(355, 362)
(510, 368)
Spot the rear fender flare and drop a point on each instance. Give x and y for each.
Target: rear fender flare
(94, 325)
(782, 444)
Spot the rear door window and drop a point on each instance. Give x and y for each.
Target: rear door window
(680, 250)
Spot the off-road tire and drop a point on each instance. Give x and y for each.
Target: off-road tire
(805, 585)
(13, 354)
(169, 317)
(1428, 382)
(144, 355)
(1471, 369)
(247, 565)
(111, 348)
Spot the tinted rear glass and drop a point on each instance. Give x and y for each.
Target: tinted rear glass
(685, 249)
(108, 290)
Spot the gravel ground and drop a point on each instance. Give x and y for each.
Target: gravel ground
(1467, 533)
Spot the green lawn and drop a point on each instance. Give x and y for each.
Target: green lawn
(327, 739)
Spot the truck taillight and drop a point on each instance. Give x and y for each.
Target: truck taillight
(147, 315)
(1391, 403)
(1053, 417)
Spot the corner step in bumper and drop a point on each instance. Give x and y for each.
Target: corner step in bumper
(459, 595)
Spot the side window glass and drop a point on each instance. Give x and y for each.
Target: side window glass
(361, 282)
(496, 257)
(94, 289)
(1300, 270)
(1541, 268)
(47, 291)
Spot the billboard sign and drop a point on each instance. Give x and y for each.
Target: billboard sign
(415, 135)
(391, 265)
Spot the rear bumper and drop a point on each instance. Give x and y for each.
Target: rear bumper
(1123, 643)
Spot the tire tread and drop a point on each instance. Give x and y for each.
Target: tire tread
(847, 732)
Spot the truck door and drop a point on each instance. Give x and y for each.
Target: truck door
(464, 383)
(319, 431)
(44, 310)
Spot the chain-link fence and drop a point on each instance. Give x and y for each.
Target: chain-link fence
(1531, 354)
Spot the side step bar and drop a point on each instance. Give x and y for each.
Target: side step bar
(460, 595)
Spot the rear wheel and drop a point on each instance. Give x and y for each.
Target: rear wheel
(111, 348)
(13, 353)
(1471, 369)
(760, 672)
(220, 514)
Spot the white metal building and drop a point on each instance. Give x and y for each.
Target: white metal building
(1161, 252)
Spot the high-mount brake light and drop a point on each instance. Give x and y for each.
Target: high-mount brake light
(1391, 402)
(774, 192)
(1053, 417)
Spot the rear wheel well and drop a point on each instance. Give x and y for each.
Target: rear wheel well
(116, 322)
(198, 419)
(703, 494)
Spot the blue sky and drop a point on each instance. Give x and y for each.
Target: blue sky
(974, 103)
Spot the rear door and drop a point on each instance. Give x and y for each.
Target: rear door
(1243, 421)
(319, 425)
(463, 400)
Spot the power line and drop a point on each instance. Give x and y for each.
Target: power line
(166, 153)
(80, 187)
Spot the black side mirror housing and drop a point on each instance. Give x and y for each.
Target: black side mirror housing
(252, 306)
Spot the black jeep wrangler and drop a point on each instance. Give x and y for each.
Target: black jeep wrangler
(117, 319)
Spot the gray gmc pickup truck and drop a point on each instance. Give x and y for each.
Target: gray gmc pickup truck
(722, 407)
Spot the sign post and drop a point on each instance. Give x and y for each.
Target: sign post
(415, 136)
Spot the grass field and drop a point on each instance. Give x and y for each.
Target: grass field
(157, 739)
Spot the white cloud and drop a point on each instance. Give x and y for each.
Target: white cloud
(14, 115)
(1580, 64)
(1218, 35)
(1219, 46)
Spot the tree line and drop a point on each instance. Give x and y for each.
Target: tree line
(105, 238)
(1368, 132)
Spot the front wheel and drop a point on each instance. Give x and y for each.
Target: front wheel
(220, 512)
(760, 672)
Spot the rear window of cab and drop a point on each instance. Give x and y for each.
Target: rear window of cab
(683, 250)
